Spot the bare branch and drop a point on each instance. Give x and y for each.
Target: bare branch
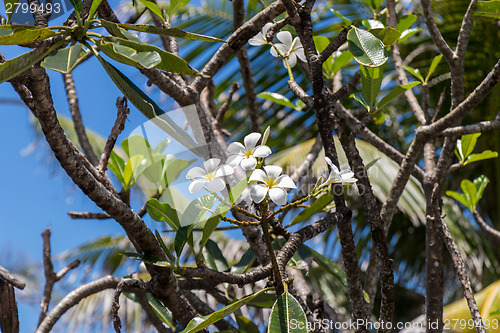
(481, 127)
(6, 276)
(492, 232)
(88, 216)
(465, 31)
(224, 107)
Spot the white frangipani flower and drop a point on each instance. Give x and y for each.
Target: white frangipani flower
(209, 177)
(272, 183)
(260, 38)
(247, 155)
(290, 47)
(343, 177)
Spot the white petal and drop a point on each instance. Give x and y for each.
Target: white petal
(262, 151)
(278, 196)
(258, 175)
(266, 27)
(248, 163)
(251, 140)
(300, 53)
(216, 185)
(285, 181)
(211, 164)
(257, 40)
(273, 171)
(235, 148)
(281, 47)
(345, 174)
(349, 181)
(195, 172)
(224, 170)
(196, 185)
(292, 59)
(258, 193)
(286, 38)
(333, 166)
(234, 160)
(273, 52)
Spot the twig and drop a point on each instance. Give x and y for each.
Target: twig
(88, 215)
(129, 283)
(495, 234)
(480, 127)
(50, 276)
(6, 276)
(123, 111)
(74, 107)
(438, 39)
(462, 275)
(334, 45)
(224, 107)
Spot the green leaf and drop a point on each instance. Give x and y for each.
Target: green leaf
(13, 67)
(181, 238)
(327, 264)
(193, 212)
(172, 32)
(208, 229)
(133, 169)
(160, 310)
(245, 325)
(406, 22)
(65, 60)
(470, 193)
(147, 259)
(77, 5)
(174, 6)
(318, 205)
(459, 197)
(23, 34)
(163, 212)
(168, 62)
(245, 262)
(487, 154)
(287, 316)
(10, 6)
(153, 7)
(128, 55)
(321, 43)
(276, 98)
(169, 255)
(371, 80)
(117, 165)
(341, 61)
(93, 9)
(367, 49)
(118, 31)
(487, 10)
(147, 106)
(344, 19)
(415, 72)
(466, 145)
(360, 97)
(173, 168)
(387, 35)
(396, 92)
(199, 323)
(373, 24)
(432, 68)
(494, 313)
(408, 33)
(215, 257)
(480, 182)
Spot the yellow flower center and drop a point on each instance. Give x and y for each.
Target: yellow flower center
(210, 176)
(248, 153)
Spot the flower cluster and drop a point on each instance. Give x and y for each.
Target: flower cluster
(289, 48)
(269, 180)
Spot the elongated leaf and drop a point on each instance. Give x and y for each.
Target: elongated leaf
(117, 165)
(160, 310)
(128, 55)
(480, 182)
(387, 35)
(487, 154)
(245, 325)
(215, 257)
(344, 19)
(487, 10)
(181, 238)
(147, 106)
(118, 31)
(77, 5)
(13, 67)
(163, 212)
(276, 98)
(199, 323)
(415, 72)
(287, 316)
(93, 8)
(371, 80)
(327, 264)
(367, 49)
(23, 34)
(172, 32)
(321, 43)
(169, 255)
(245, 262)
(432, 68)
(133, 169)
(459, 197)
(406, 22)
(194, 211)
(153, 8)
(9, 6)
(146, 258)
(208, 229)
(341, 61)
(175, 5)
(470, 193)
(168, 62)
(360, 97)
(65, 60)
(466, 145)
(316, 207)
(396, 92)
